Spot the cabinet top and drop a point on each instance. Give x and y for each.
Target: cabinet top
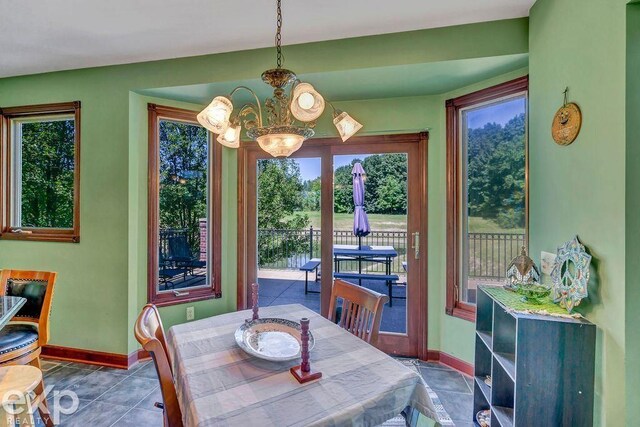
(511, 302)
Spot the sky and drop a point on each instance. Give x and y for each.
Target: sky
(499, 113)
(310, 167)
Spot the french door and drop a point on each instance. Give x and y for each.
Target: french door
(316, 225)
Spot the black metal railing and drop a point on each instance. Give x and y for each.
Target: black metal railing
(489, 254)
(290, 249)
(165, 235)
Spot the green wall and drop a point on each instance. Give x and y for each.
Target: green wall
(101, 282)
(632, 220)
(580, 189)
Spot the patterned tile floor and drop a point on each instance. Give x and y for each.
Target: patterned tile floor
(115, 397)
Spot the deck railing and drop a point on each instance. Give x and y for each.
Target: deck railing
(489, 253)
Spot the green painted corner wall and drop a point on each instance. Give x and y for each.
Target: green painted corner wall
(580, 189)
(632, 219)
(101, 280)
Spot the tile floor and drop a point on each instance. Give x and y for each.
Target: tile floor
(115, 397)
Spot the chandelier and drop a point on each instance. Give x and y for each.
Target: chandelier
(290, 117)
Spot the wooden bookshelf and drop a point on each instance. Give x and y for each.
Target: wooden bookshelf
(541, 367)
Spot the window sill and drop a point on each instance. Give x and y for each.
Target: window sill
(38, 236)
(463, 311)
(167, 299)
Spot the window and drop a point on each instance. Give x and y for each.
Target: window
(40, 183)
(486, 189)
(184, 208)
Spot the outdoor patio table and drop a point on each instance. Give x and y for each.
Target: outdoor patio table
(218, 384)
(9, 307)
(384, 254)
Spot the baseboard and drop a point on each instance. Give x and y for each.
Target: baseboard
(92, 357)
(451, 361)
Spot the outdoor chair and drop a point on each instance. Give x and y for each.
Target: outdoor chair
(182, 257)
(166, 272)
(150, 334)
(21, 341)
(361, 310)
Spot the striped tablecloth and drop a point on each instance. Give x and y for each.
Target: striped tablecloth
(218, 384)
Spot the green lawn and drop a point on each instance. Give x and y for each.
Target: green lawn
(378, 222)
(383, 222)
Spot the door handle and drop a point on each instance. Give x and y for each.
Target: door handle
(416, 244)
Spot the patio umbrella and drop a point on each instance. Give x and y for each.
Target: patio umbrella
(360, 220)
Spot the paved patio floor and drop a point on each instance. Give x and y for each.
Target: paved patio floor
(279, 287)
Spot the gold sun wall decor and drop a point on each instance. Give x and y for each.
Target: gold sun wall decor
(566, 122)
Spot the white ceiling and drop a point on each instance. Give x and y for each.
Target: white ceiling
(38, 36)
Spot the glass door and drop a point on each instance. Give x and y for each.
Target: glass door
(289, 231)
(299, 216)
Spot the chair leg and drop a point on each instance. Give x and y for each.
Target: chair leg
(43, 407)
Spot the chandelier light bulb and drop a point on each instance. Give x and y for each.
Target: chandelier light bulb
(307, 104)
(306, 100)
(231, 137)
(215, 117)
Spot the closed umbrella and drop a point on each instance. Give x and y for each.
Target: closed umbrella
(360, 220)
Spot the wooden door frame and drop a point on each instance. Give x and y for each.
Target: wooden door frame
(250, 151)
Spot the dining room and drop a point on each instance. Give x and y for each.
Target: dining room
(286, 213)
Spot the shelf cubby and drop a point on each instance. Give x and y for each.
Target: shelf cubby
(541, 367)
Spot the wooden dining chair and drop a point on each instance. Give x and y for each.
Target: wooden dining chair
(361, 310)
(150, 334)
(21, 340)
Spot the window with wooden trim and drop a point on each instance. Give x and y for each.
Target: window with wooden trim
(184, 246)
(487, 189)
(40, 179)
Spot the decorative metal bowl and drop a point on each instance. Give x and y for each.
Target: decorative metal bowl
(273, 339)
(532, 294)
(483, 418)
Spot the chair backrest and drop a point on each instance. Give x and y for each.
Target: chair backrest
(150, 334)
(179, 247)
(361, 309)
(37, 287)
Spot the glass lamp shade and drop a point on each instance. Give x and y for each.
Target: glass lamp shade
(347, 126)
(215, 117)
(231, 137)
(280, 144)
(306, 103)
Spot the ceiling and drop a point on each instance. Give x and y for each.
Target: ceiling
(370, 83)
(41, 36)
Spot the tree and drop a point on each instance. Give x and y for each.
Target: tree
(311, 194)
(279, 197)
(496, 172)
(183, 178)
(47, 173)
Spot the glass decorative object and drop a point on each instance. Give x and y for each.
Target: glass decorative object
(522, 270)
(523, 277)
(570, 274)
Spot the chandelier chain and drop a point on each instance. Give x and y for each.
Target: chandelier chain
(278, 35)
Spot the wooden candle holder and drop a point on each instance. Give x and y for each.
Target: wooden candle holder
(302, 372)
(254, 300)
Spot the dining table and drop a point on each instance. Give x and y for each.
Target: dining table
(9, 307)
(218, 384)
